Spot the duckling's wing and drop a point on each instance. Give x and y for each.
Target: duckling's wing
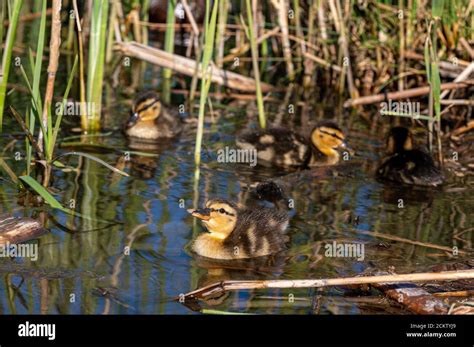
(277, 145)
(259, 232)
(411, 167)
(169, 123)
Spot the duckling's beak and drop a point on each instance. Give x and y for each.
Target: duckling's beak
(344, 147)
(133, 119)
(204, 214)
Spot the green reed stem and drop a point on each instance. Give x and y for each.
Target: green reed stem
(256, 71)
(97, 43)
(7, 55)
(209, 36)
(169, 47)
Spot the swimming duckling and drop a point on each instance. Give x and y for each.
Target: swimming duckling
(238, 233)
(150, 120)
(408, 165)
(284, 148)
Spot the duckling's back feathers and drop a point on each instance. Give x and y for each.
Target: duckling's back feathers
(411, 167)
(279, 146)
(259, 232)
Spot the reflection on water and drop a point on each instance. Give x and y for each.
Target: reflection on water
(134, 257)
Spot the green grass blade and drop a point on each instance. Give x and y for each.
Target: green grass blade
(254, 49)
(59, 116)
(100, 161)
(7, 55)
(207, 54)
(41, 191)
(436, 87)
(437, 7)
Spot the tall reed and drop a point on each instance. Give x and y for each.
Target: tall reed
(169, 47)
(7, 55)
(209, 36)
(95, 72)
(256, 71)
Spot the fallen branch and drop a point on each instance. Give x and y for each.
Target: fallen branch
(408, 93)
(17, 230)
(413, 298)
(187, 66)
(224, 286)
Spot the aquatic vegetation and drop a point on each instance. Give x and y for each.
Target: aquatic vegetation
(93, 96)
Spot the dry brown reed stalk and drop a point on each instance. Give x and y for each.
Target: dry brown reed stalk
(280, 6)
(54, 44)
(412, 242)
(246, 46)
(224, 286)
(82, 83)
(401, 56)
(407, 93)
(187, 66)
(339, 22)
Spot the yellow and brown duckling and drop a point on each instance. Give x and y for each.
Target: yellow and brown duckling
(151, 120)
(406, 164)
(285, 148)
(235, 232)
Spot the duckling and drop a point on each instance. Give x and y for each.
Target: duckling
(150, 120)
(406, 164)
(235, 232)
(285, 148)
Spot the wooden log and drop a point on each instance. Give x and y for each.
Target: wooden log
(19, 229)
(412, 297)
(187, 66)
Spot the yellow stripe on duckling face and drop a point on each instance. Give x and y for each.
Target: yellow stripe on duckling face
(219, 219)
(327, 140)
(148, 110)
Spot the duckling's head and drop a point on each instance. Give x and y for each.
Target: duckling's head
(146, 108)
(219, 217)
(328, 138)
(399, 139)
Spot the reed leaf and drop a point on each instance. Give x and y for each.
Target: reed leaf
(7, 55)
(43, 192)
(436, 86)
(169, 47)
(98, 160)
(54, 136)
(437, 7)
(97, 43)
(51, 200)
(209, 36)
(256, 71)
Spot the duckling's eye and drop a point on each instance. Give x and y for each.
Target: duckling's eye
(221, 210)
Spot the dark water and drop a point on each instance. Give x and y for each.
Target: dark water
(145, 212)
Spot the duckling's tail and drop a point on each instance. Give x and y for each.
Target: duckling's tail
(272, 192)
